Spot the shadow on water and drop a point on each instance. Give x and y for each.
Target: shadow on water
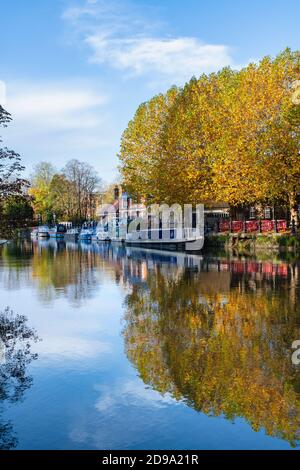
(15, 355)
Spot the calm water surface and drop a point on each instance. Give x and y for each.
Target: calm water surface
(140, 349)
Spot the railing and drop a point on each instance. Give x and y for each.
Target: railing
(252, 226)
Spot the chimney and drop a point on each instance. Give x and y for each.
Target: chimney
(117, 193)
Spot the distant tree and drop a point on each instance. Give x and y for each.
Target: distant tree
(17, 212)
(40, 190)
(108, 193)
(62, 197)
(43, 174)
(70, 194)
(12, 185)
(85, 183)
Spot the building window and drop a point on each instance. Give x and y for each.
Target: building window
(267, 213)
(252, 212)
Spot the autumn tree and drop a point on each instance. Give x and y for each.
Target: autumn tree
(230, 137)
(62, 196)
(69, 194)
(40, 190)
(141, 150)
(192, 130)
(282, 137)
(257, 154)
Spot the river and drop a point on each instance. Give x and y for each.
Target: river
(108, 347)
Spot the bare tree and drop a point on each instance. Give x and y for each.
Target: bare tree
(13, 188)
(11, 184)
(85, 183)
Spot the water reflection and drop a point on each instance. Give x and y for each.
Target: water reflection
(220, 340)
(58, 269)
(15, 355)
(212, 332)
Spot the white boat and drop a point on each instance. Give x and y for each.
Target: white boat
(102, 234)
(58, 231)
(72, 235)
(174, 236)
(133, 223)
(167, 238)
(43, 231)
(34, 233)
(94, 234)
(86, 234)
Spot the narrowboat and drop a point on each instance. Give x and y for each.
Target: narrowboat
(86, 234)
(72, 235)
(58, 231)
(43, 231)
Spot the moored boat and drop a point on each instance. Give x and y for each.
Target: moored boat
(58, 231)
(86, 234)
(43, 231)
(102, 233)
(34, 233)
(168, 238)
(94, 234)
(72, 235)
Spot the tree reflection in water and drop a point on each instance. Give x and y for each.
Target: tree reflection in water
(222, 350)
(16, 338)
(215, 333)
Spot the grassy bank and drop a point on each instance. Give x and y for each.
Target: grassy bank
(280, 243)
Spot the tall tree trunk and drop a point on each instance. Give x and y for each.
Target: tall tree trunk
(294, 208)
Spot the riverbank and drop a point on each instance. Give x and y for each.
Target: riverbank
(280, 243)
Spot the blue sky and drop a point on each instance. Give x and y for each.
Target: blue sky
(72, 72)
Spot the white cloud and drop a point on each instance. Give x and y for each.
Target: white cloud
(53, 101)
(133, 392)
(60, 120)
(71, 348)
(179, 57)
(123, 38)
(127, 408)
(55, 107)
